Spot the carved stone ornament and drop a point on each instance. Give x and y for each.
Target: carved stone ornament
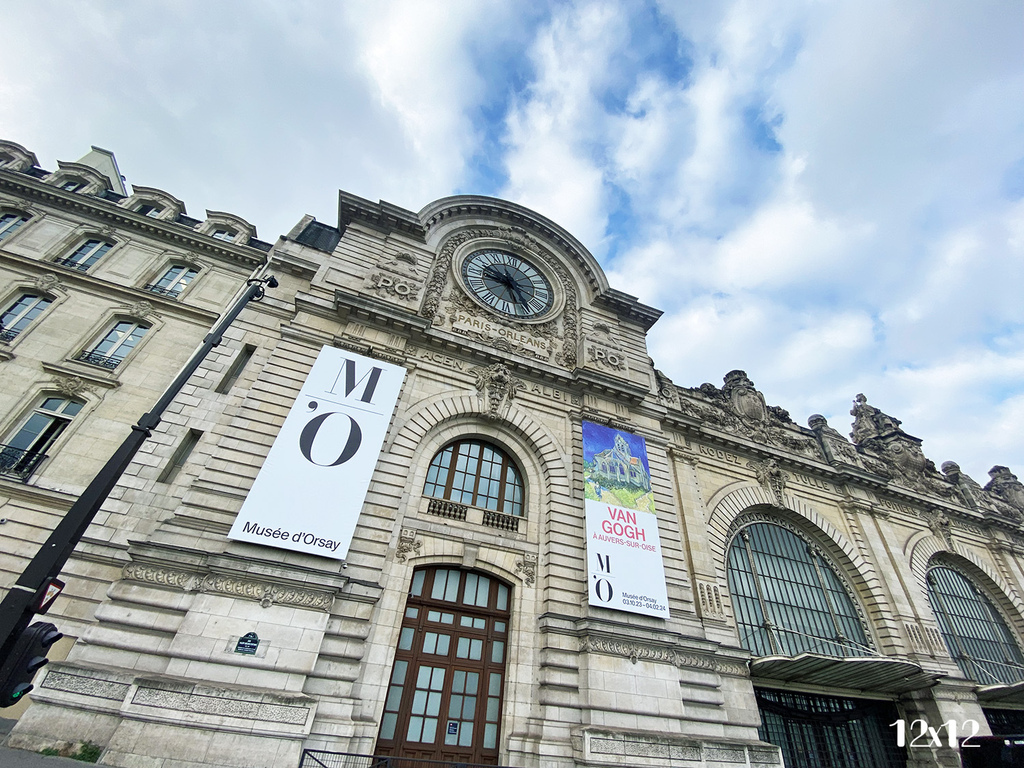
(837, 448)
(48, 283)
(941, 526)
(971, 493)
(408, 544)
(666, 389)
(771, 478)
(709, 596)
(739, 408)
(71, 386)
(638, 651)
(602, 350)
(526, 566)
(141, 310)
(870, 422)
(396, 275)
(496, 386)
(1004, 487)
(264, 593)
(517, 240)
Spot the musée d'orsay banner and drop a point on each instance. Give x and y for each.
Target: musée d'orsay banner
(626, 572)
(310, 490)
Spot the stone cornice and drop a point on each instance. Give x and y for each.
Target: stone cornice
(628, 307)
(176, 234)
(81, 280)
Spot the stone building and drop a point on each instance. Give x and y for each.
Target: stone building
(819, 591)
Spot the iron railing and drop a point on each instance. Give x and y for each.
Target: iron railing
(18, 462)
(319, 758)
(73, 263)
(103, 361)
(455, 511)
(8, 334)
(172, 292)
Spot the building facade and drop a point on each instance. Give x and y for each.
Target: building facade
(818, 591)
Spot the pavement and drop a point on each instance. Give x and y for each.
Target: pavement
(19, 758)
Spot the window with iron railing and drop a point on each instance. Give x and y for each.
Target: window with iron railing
(476, 473)
(115, 345)
(85, 255)
(175, 280)
(20, 314)
(23, 450)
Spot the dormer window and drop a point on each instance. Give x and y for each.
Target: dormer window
(72, 184)
(6, 158)
(150, 209)
(227, 235)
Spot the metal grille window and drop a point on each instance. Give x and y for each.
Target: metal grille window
(22, 451)
(815, 731)
(787, 598)
(977, 637)
(476, 473)
(114, 347)
(17, 317)
(87, 254)
(10, 222)
(174, 281)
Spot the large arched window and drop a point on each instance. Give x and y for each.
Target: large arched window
(787, 598)
(476, 473)
(444, 698)
(975, 634)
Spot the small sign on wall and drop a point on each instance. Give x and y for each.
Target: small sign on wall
(308, 495)
(247, 644)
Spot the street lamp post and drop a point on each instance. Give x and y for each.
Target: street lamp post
(24, 598)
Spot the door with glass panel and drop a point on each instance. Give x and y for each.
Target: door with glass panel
(444, 698)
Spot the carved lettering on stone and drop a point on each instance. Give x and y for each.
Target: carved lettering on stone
(603, 350)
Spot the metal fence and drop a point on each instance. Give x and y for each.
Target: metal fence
(318, 758)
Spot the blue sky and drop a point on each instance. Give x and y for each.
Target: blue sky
(828, 195)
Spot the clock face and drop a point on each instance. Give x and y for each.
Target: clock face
(508, 284)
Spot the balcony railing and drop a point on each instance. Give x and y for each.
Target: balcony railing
(455, 511)
(449, 509)
(173, 291)
(318, 758)
(8, 334)
(18, 462)
(73, 263)
(92, 358)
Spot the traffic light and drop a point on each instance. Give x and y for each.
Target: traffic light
(26, 657)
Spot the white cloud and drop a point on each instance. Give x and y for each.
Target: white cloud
(555, 126)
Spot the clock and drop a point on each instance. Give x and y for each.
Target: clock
(508, 284)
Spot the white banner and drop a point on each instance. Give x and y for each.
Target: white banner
(310, 490)
(624, 554)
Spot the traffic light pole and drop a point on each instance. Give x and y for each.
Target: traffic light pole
(23, 599)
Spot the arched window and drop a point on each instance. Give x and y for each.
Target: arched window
(476, 473)
(20, 314)
(787, 598)
(974, 632)
(444, 699)
(173, 281)
(115, 345)
(87, 254)
(26, 446)
(10, 222)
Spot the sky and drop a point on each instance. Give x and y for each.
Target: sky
(827, 195)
